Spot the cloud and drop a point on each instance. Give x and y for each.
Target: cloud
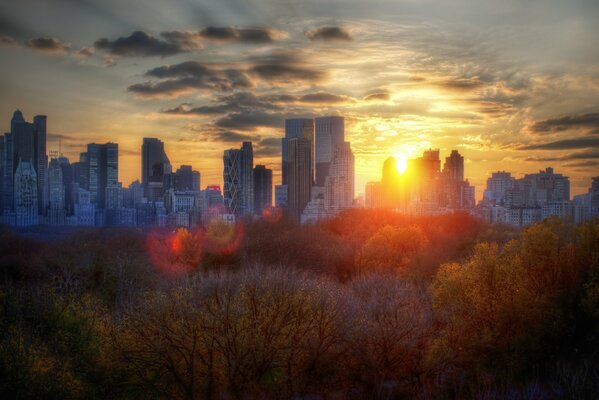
(188, 76)
(268, 147)
(460, 84)
(328, 33)
(377, 95)
(86, 52)
(8, 41)
(580, 155)
(582, 121)
(286, 73)
(47, 45)
(566, 144)
(250, 119)
(242, 35)
(325, 97)
(140, 44)
(185, 40)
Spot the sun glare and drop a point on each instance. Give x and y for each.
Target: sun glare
(401, 163)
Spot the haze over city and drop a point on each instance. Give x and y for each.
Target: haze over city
(510, 85)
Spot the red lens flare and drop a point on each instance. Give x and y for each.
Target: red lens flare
(221, 237)
(272, 214)
(175, 252)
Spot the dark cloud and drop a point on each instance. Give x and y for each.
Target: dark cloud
(8, 41)
(328, 33)
(48, 45)
(325, 97)
(582, 121)
(579, 155)
(566, 144)
(188, 76)
(460, 84)
(243, 35)
(185, 40)
(582, 164)
(250, 120)
(139, 44)
(286, 73)
(268, 147)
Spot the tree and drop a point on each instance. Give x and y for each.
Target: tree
(391, 249)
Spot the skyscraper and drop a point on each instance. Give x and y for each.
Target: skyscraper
(339, 185)
(154, 165)
(56, 187)
(454, 167)
(232, 185)
(262, 188)
(297, 128)
(40, 157)
(238, 180)
(25, 189)
(390, 184)
(247, 177)
(102, 160)
(329, 134)
(299, 179)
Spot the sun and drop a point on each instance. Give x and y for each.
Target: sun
(401, 164)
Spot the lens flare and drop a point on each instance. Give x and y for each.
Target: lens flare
(175, 252)
(221, 237)
(272, 214)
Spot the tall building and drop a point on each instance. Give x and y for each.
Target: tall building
(329, 134)
(246, 178)
(102, 161)
(339, 184)
(238, 179)
(594, 197)
(154, 165)
(454, 167)
(390, 184)
(498, 186)
(25, 190)
(296, 128)
(262, 189)
(299, 179)
(374, 195)
(56, 186)
(40, 158)
(8, 181)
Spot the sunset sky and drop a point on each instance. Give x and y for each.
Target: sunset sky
(512, 85)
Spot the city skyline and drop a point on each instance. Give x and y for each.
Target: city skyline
(513, 85)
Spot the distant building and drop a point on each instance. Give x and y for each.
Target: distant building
(238, 179)
(329, 135)
(374, 195)
(339, 184)
(103, 167)
(281, 196)
(25, 188)
(299, 179)
(154, 166)
(294, 129)
(262, 189)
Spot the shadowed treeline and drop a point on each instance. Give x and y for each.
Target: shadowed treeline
(368, 305)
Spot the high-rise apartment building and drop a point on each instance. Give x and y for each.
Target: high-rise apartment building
(154, 166)
(296, 128)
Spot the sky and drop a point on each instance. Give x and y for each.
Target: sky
(512, 85)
